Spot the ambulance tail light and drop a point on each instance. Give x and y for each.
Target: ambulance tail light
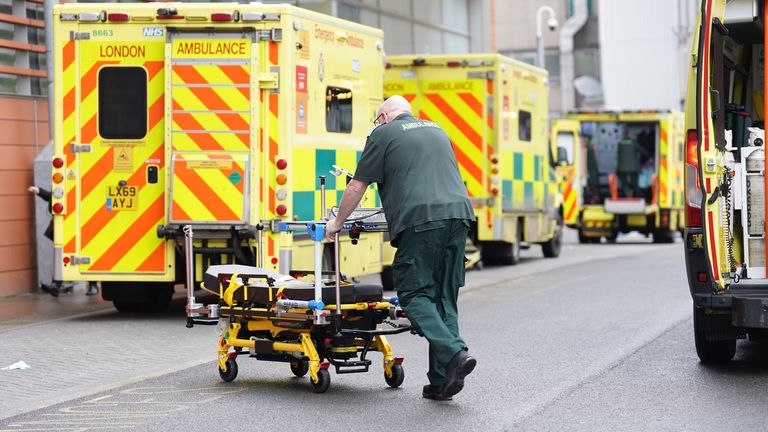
(118, 17)
(57, 208)
(388, 66)
(221, 16)
(281, 164)
(453, 64)
(693, 192)
(58, 162)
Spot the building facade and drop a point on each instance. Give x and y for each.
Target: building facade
(617, 54)
(24, 125)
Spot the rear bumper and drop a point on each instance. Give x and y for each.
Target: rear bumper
(748, 307)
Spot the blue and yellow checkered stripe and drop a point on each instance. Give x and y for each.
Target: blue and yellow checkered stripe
(527, 181)
(309, 164)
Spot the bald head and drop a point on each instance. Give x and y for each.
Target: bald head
(393, 107)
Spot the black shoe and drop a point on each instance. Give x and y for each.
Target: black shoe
(461, 365)
(92, 290)
(433, 392)
(54, 290)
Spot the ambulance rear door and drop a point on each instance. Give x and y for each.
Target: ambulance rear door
(213, 125)
(457, 99)
(118, 145)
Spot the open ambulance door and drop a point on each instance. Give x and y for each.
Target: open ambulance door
(566, 152)
(705, 169)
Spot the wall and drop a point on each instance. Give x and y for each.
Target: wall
(640, 53)
(24, 126)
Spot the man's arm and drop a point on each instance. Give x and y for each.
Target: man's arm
(349, 201)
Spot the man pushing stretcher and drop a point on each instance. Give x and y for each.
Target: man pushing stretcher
(429, 214)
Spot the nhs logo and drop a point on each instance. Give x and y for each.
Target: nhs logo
(153, 31)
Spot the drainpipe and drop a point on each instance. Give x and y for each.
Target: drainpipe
(567, 67)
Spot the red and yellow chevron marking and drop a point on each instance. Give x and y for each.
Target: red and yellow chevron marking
(271, 137)
(208, 188)
(215, 116)
(69, 131)
(125, 240)
(663, 169)
(570, 213)
(461, 115)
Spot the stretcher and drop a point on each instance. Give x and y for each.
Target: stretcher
(310, 319)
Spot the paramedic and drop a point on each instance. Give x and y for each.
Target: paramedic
(429, 213)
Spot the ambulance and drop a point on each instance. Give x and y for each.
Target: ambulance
(622, 172)
(725, 181)
(218, 116)
(495, 111)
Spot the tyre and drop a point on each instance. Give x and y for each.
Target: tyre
(612, 238)
(323, 381)
(231, 372)
(717, 351)
(663, 237)
(398, 375)
(138, 296)
(300, 367)
(551, 249)
(387, 278)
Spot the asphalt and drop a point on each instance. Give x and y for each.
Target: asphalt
(599, 339)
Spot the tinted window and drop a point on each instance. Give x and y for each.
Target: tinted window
(122, 103)
(338, 110)
(524, 126)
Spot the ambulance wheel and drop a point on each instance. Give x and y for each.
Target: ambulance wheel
(231, 372)
(300, 367)
(551, 249)
(663, 237)
(387, 278)
(711, 351)
(398, 375)
(323, 381)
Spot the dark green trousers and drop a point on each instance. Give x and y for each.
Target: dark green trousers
(428, 271)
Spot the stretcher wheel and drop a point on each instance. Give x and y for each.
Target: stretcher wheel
(300, 367)
(398, 375)
(323, 381)
(231, 372)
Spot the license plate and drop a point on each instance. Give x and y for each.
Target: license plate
(121, 198)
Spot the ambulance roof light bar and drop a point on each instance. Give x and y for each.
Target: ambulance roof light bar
(92, 16)
(168, 13)
(118, 16)
(221, 16)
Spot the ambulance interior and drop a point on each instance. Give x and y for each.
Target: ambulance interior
(621, 159)
(740, 129)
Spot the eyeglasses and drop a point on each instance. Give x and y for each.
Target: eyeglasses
(377, 122)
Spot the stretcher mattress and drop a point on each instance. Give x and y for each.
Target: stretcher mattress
(258, 290)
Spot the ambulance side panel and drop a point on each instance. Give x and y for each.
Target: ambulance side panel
(335, 90)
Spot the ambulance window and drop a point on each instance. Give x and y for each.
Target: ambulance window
(122, 103)
(524, 126)
(338, 110)
(565, 144)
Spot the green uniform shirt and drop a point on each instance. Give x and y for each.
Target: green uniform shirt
(413, 163)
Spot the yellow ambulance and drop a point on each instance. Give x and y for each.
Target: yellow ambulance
(622, 172)
(725, 181)
(495, 111)
(220, 116)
